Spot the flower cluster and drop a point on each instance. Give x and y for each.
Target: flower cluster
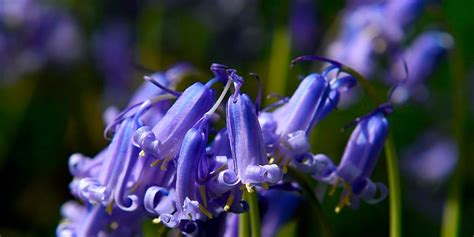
(177, 163)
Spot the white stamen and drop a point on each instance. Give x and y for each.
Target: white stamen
(220, 99)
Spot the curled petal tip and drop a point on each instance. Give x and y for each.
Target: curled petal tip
(145, 139)
(90, 190)
(367, 190)
(169, 220)
(263, 173)
(130, 205)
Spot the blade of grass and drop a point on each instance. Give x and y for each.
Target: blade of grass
(279, 61)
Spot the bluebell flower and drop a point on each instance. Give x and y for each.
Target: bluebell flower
(358, 161)
(286, 129)
(303, 108)
(247, 144)
(187, 204)
(422, 58)
(222, 175)
(222, 182)
(114, 171)
(106, 179)
(163, 141)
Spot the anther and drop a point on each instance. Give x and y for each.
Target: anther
(165, 164)
(109, 208)
(155, 163)
(156, 221)
(135, 186)
(230, 199)
(249, 188)
(114, 225)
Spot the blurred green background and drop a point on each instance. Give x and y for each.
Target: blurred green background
(53, 111)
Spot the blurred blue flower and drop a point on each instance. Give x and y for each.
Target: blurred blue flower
(422, 58)
(304, 25)
(286, 129)
(431, 160)
(114, 56)
(33, 34)
(369, 30)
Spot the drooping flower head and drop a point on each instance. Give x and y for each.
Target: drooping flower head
(163, 141)
(358, 161)
(187, 203)
(287, 128)
(247, 144)
(191, 202)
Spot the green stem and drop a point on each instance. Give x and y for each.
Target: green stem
(308, 192)
(394, 187)
(244, 224)
(452, 208)
(254, 212)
